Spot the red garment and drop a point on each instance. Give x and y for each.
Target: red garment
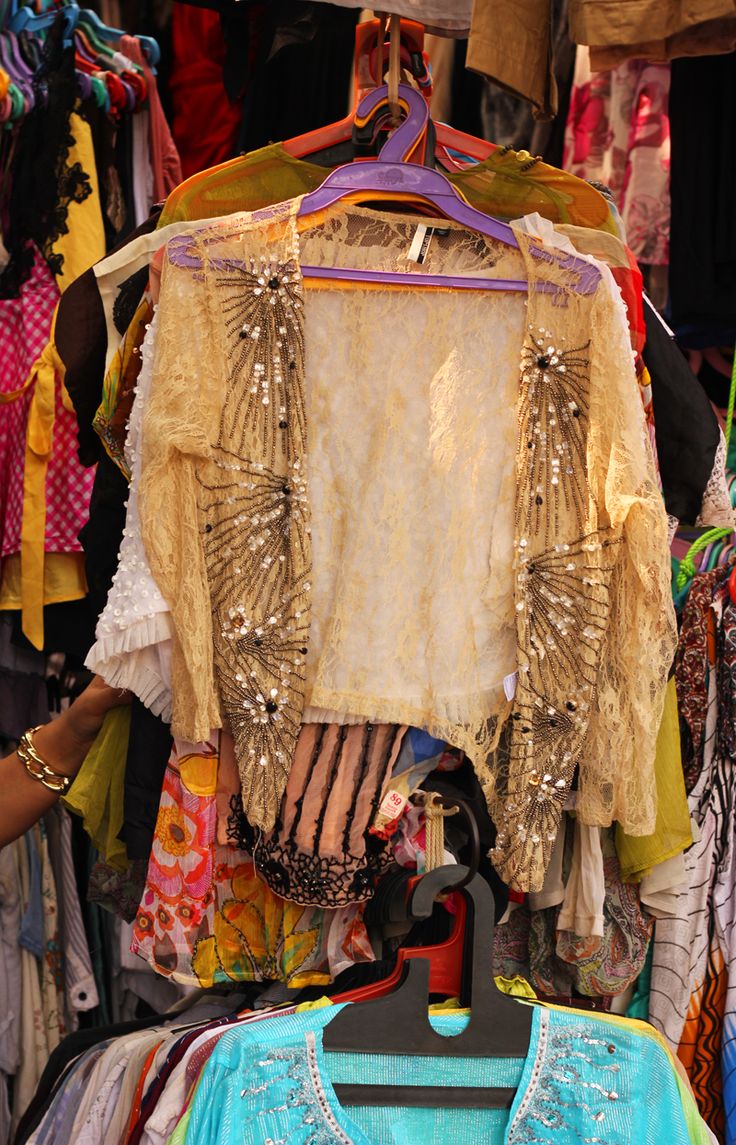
(631, 285)
(205, 123)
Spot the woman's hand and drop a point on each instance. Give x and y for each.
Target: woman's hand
(63, 745)
(86, 715)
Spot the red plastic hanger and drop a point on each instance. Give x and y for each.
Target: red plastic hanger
(445, 961)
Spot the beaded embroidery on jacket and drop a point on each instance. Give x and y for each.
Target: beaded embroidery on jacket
(255, 532)
(585, 567)
(585, 483)
(562, 603)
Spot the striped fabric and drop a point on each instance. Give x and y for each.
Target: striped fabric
(693, 990)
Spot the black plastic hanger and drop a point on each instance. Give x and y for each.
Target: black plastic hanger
(499, 1026)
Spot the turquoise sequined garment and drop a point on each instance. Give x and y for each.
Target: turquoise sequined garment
(585, 1079)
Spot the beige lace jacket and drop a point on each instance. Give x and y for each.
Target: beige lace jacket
(581, 594)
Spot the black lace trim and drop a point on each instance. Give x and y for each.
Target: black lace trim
(43, 184)
(318, 880)
(308, 878)
(239, 831)
(74, 186)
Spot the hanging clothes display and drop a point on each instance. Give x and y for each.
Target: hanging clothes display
(238, 1073)
(47, 978)
(128, 639)
(64, 203)
(374, 462)
(691, 1001)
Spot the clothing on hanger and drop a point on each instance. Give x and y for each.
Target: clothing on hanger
(253, 1085)
(618, 134)
(155, 540)
(692, 1004)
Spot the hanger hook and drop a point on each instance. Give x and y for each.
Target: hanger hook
(469, 815)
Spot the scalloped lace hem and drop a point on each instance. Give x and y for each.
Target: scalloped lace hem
(468, 723)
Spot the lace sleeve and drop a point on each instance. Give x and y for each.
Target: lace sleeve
(177, 428)
(616, 768)
(595, 623)
(716, 509)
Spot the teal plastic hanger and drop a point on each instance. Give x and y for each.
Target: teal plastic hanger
(26, 20)
(112, 36)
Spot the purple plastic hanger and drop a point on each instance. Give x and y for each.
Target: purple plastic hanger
(84, 85)
(19, 72)
(389, 174)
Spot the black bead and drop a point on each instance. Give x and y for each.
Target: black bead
(531, 568)
(570, 706)
(525, 730)
(273, 283)
(258, 643)
(552, 722)
(530, 445)
(283, 424)
(292, 365)
(303, 651)
(242, 334)
(576, 413)
(208, 528)
(543, 361)
(285, 490)
(611, 1049)
(539, 500)
(271, 706)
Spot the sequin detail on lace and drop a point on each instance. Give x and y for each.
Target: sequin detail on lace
(255, 516)
(541, 1118)
(562, 608)
(553, 416)
(307, 1092)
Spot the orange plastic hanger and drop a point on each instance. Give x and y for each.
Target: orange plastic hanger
(370, 44)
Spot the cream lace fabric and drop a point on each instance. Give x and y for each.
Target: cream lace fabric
(716, 509)
(132, 648)
(369, 512)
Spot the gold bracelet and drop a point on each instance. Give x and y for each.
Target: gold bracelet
(37, 768)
